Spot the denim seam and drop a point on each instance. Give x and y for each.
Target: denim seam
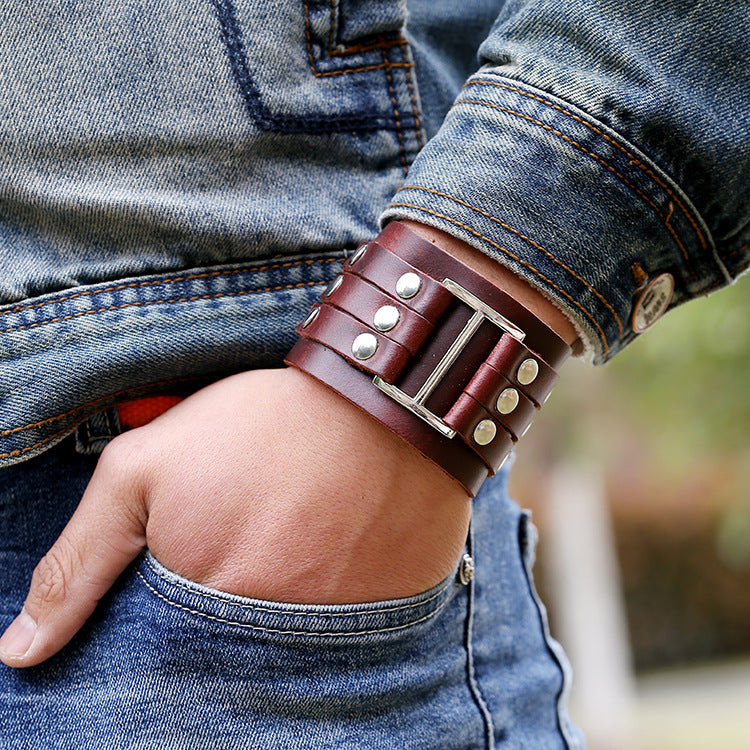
(474, 689)
(278, 631)
(358, 49)
(385, 45)
(271, 610)
(562, 694)
(176, 279)
(231, 36)
(527, 239)
(632, 157)
(524, 263)
(331, 26)
(721, 282)
(77, 420)
(172, 381)
(396, 113)
(194, 298)
(414, 107)
(736, 252)
(604, 163)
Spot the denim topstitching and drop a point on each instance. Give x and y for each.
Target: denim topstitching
(305, 633)
(396, 113)
(471, 677)
(193, 298)
(173, 280)
(599, 159)
(111, 398)
(232, 37)
(383, 43)
(634, 160)
(301, 613)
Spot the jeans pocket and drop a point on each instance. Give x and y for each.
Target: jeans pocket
(282, 622)
(323, 67)
(264, 674)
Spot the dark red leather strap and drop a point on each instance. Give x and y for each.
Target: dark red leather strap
(434, 351)
(420, 253)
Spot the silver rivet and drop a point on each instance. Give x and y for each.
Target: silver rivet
(364, 346)
(507, 401)
(484, 432)
(527, 371)
(333, 286)
(358, 253)
(466, 569)
(408, 285)
(313, 314)
(386, 317)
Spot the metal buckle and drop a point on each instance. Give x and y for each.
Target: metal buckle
(482, 312)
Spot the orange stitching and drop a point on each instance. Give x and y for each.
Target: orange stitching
(158, 282)
(634, 159)
(194, 298)
(415, 109)
(308, 38)
(710, 287)
(13, 430)
(517, 259)
(361, 70)
(77, 421)
(675, 237)
(736, 252)
(21, 451)
(396, 114)
(528, 239)
(357, 49)
(594, 156)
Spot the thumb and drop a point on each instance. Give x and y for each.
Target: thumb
(103, 536)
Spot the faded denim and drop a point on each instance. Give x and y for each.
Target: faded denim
(177, 184)
(601, 145)
(167, 663)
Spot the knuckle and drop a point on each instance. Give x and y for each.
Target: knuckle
(125, 460)
(54, 574)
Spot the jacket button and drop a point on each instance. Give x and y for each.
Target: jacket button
(653, 302)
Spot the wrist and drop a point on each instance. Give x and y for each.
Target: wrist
(518, 288)
(370, 445)
(433, 349)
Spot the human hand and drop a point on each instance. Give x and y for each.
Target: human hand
(265, 484)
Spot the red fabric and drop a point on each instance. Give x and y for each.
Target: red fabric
(138, 413)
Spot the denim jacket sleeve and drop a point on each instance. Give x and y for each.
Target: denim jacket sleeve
(601, 146)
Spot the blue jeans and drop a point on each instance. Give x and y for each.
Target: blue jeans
(167, 663)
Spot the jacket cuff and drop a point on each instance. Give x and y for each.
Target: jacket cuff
(564, 202)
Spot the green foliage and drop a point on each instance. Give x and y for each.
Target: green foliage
(689, 377)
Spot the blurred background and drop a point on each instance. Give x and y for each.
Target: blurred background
(638, 475)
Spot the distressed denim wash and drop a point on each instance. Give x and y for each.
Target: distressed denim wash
(178, 181)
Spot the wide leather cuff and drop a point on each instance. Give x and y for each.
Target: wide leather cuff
(434, 351)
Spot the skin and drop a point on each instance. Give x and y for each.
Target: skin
(265, 484)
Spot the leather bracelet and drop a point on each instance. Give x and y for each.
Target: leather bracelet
(433, 350)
